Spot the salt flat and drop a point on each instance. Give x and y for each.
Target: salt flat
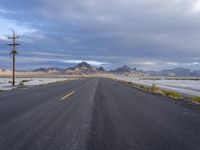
(6, 83)
(187, 87)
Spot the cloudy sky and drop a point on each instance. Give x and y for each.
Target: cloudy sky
(147, 34)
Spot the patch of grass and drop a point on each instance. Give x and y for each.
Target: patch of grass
(173, 94)
(155, 89)
(25, 81)
(10, 82)
(21, 85)
(129, 83)
(142, 86)
(196, 99)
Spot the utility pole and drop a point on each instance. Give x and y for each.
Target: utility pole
(13, 53)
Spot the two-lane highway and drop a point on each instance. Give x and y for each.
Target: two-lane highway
(94, 114)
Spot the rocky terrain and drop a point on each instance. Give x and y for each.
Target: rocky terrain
(86, 69)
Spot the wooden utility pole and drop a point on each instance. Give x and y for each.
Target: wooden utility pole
(13, 53)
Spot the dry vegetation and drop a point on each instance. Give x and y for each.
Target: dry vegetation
(156, 90)
(196, 99)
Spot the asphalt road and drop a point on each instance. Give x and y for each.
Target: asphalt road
(95, 114)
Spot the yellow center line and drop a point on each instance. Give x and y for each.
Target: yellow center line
(63, 98)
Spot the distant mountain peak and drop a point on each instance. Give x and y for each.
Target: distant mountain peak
(84, 66)
(123, 69)
(101, 69)
(42, 69)
(176, 72)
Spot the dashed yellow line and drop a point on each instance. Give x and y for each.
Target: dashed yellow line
(68, 95)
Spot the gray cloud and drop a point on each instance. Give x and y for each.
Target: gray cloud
(146, 33)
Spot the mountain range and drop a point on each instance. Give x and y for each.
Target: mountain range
(177, 72)
(86, 69)
(80, 69)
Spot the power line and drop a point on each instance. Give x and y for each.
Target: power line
(13, 53)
